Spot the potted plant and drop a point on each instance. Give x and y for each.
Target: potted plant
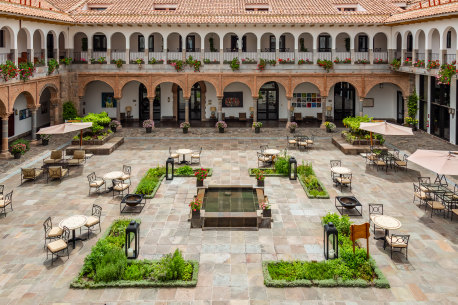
(260, 178)
(266, 211)
(195, 206)
(114, 124)
(292, 127)
(149, 125)
(18, 149)
(45, 139)
(185, 126)
(412, 123)
(330, 126)
(201, 175)
(257, 127)
(221, 125)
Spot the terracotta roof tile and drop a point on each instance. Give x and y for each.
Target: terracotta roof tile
(34, 8)
(425, 11)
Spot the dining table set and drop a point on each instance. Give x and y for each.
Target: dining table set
(440, 191)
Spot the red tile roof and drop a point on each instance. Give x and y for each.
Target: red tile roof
(34, 8)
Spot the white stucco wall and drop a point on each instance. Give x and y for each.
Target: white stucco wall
(93, 98)
(385, 102)
(306, 88)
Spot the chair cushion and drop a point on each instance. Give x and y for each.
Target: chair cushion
(124, 177)
(343, 180)
(3, 204)
(174, 155)
(75, 161)
(424, 189)
(292, 141)
(28, 173)
(303, 143)
(92, 220)
(264, 159)
(436, 205)
(79, 154)
(395, 243)
(55, 232)
(421, 195)
(401, 163)
(48, 161)
(120, 187)
(195, 156)
(96, 183)
(381, 163)
(310, 141)
(455, 211)
(57, 245)
(56, 154)
(64, 171)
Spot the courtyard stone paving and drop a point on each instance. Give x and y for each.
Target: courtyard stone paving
(230, 261)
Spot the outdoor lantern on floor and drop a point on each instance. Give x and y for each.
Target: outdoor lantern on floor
(292, 170)
(330, 241)
(169, 169)
(132, 244)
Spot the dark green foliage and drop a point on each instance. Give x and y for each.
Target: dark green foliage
(282, 164)
(111, 266)
(184, 171)
(187, 272)
(150, 181)
(69, 111)
(22, 141)
(134, 272)
(266, 171)
(309, 180)
(412, 104)
(171, 267)
(342, 223)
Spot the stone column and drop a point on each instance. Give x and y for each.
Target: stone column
(391, 55)
(220, 108)
(118, 109)
(108, 56)
(255, 109)
(414, 56)
(371, 56)
(427, 56)
(15, 56)
(361, 99)
(289, 108)
(5, 154)
(151, 105)
(34, 125)
(403, 55)
(323, 110)
(81, 106)
(186, 109)
(89, 56)
(352, 55)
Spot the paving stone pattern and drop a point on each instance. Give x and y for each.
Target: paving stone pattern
(230, 261)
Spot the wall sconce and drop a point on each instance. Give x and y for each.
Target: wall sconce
(15, 111)
(451, 111)
(209, 102)
(168, 99)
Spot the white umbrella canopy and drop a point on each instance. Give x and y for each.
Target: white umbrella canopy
(64, 128)
(438, 161)
(386, 129)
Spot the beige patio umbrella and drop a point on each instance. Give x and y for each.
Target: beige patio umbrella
(386, 129)
(66, 128)
(439, 161)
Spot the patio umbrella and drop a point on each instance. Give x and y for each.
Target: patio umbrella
(439, 161)
(65, 128)
(386, 129)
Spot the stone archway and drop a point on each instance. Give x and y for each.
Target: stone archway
(203, 94)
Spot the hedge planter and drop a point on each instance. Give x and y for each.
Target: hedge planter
(257, 129)
(149, 129)
(94, 141)
(221, 130)
(199, 183)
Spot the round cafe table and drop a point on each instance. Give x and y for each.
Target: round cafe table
(271, 152)
(73, 223)
(184, 152)
(387, 223)
(110, 177)
(339, 170)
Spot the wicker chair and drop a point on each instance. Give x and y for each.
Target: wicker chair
(119, 186)
(59, 245)
(51, 233)
(78, 158)
(310, 141)
(57, 172)
(418, 193)
(424, 180)
(396, 241)
(263, 148)
(291, 141)
(95, 182)
(435, 205)
(56, 157)
(264, 159)
(381, 162)
(127, 170)
(94, 219)
(174, 156)
(196, 156)
(302, 142)
(344, 180)
(30, 174)
(5, 202)
(375, 209)
(401, 163)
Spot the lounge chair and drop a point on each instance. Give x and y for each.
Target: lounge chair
(78, 158)
(30, 174)
(57, 172)
(56, 157)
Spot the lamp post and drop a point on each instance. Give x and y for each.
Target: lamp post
(292, 169)
(330, 239)
(169, 168)
(132, 244)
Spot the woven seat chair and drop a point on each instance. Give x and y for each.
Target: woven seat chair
(30, 174)
(51, 233)
(5, 202)
(291, 141)
(95, 182)
(401, 163)
(435, 205)
(344, 180)
(119, 186)
(2, 188)
(264, 159)
(57, 172)
(310, 141)
(78, 158)
(374, 209)
(424, 180)
(196, 156)
(453, 212)
(94, 219)
(59, 245)
(381, 162)
(174, 156)
(302, 142)
(56, 156)
(396, 241)
(126, 170)
(421, 195)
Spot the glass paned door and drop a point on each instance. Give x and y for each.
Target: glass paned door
(344, 101)
(181, 105)
(400, 108)
(195, 105)
(268, 102)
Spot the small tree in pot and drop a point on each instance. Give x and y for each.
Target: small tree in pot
(201, 175)
(114, 125)
(185, 126)
(45, 139)
(149, 125)
(195, 206)
(260, 178)
(257, 127)
(221, 125)
(266, 211)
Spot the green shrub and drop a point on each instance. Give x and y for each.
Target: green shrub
(342, 223)
(282, 164)
(111, 266)
(133, 272)
(310, 181)
(171, 267)
(69, 111)
(150, 181)
(187, 272)
(184, 171)
(99, 121)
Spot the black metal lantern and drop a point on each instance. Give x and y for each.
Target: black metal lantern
(132, 244)
(292, 170)
(169, 169)
(331, 240)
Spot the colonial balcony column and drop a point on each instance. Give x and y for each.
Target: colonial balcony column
(81, 106)
(255, 109)
(108, 56)
(15, 57)
(220, 108)
(427, 57)
(323, 110)
(151, 105)
(5, 154)
(118, 110)
(403, 55)
(186, 108)
(34, 125)
(371, 56)
(361, 100)
(289, 108)
(352, 55)
(55, 114)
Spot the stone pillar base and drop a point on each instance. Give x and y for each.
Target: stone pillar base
(6, 155)
(322, 126)
(34, 142)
